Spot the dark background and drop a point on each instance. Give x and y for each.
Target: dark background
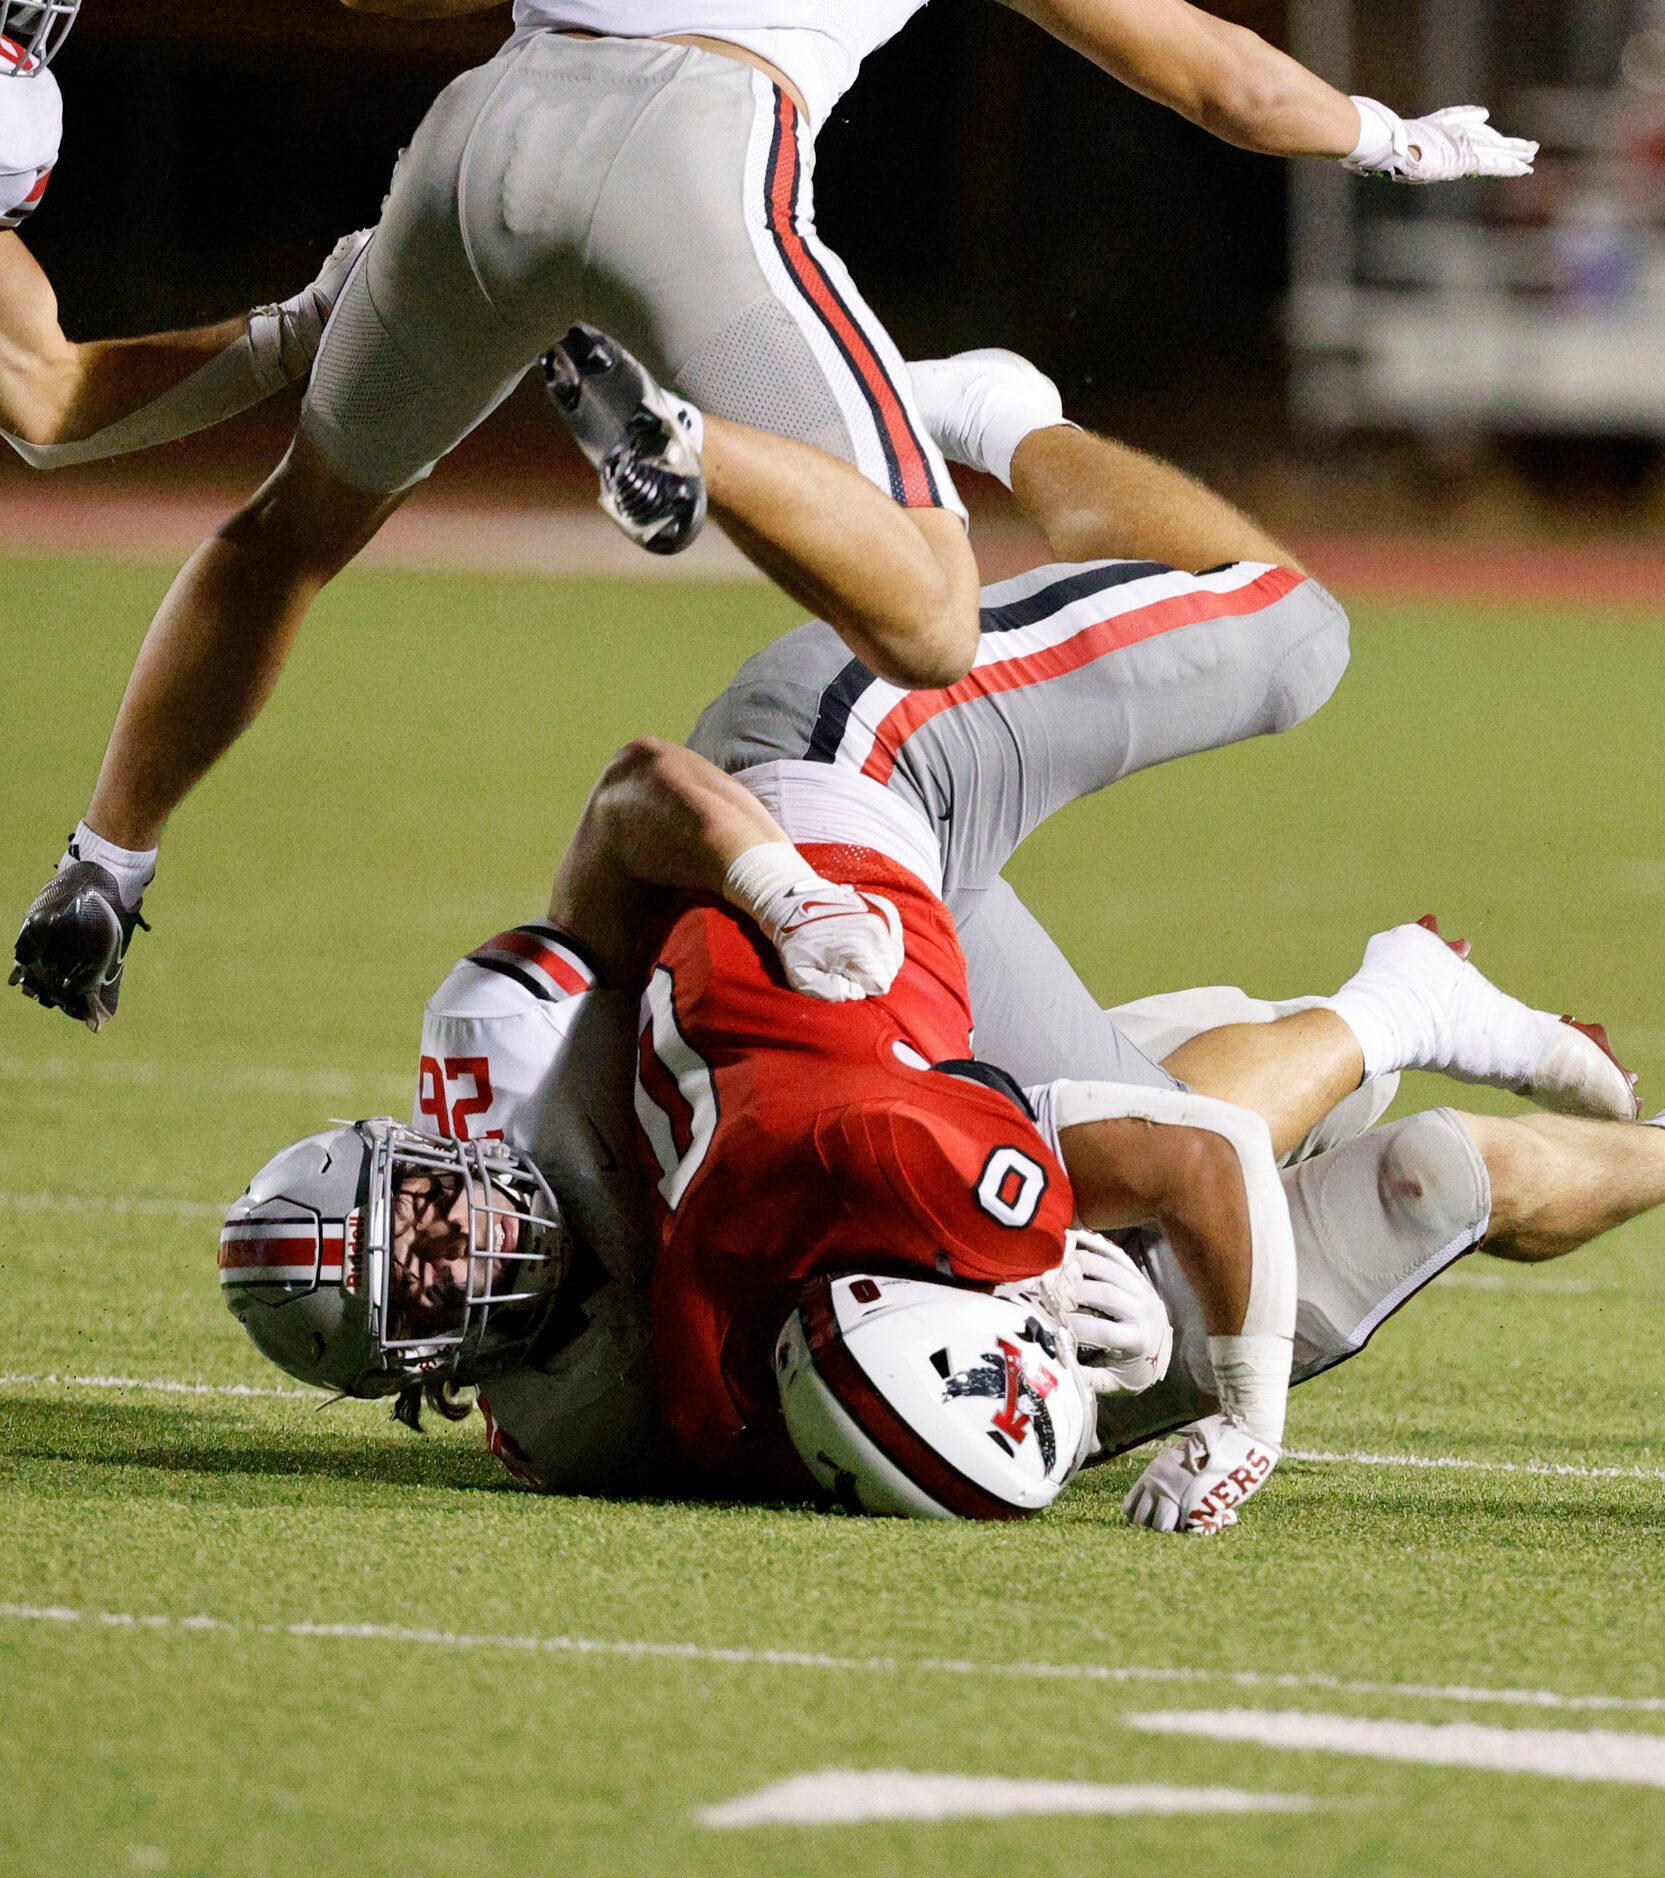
(984, 184)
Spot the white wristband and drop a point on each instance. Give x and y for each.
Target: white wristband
(762, 875)
(1381, 133)
(1251, 1378)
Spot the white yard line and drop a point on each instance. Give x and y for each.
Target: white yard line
(1569, 1754)
(159, 1385)
(219, 1079)
(1461, 1280)
(1324, 1458)
(163, 1385)
(1549, 1470)
(111, 1203)
(652, 1650)
(848, 1796)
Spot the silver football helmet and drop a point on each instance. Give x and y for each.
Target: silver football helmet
(38, 28)
(373, 1256)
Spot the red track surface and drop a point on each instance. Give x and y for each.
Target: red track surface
(49, 518)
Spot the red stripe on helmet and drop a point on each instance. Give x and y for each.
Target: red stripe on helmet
(874, 1416)
(245, 1250)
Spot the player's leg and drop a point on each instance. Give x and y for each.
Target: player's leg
(1200, 1036)
(1037, 1020)
(221, 638)
(411, 360)
(1375, 1221)
(1084, 673)
(1558, 1181)
(703, 257)
(1032, 1015)
(841, 548)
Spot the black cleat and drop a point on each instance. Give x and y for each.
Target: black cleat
(73, 944)
(652, 484)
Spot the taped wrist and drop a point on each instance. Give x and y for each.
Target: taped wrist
(1251, 1378)
(761, 882)
(1382, 137)
(1272, 1284)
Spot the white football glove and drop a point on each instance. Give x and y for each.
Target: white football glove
(1444, 147)
(835, 942)
(285, 338)
(1116, 1315)
(1197, 1485)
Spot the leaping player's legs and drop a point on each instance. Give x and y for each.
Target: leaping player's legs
(221, 638)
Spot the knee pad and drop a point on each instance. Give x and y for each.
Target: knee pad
(1430, 1179)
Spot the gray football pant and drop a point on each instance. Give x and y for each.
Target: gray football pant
(1119, 690)
(1375, 1220)
(661, 192)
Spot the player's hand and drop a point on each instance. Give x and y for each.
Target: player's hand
(1116, 1315)
(1444, 147)
(1198, 1485)
(836, 942)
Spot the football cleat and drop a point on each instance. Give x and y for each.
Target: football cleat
(1469, 1029)
(637, 436)
(73, 944)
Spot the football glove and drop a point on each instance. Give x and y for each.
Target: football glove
(1197, 1485)
(1444, 147)
(835, 942)
(73, 946)
(1121, 1326)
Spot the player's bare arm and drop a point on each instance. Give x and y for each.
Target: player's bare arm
(663, 821)
(1205, 1171)
(63, 403)
(1232, 83)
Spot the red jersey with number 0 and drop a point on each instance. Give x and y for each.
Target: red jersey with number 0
(789, 1136)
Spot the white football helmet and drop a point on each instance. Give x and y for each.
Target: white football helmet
(36, 29)
(930, 1401)
(372, 1256)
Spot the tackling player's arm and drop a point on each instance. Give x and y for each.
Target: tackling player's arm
(63, 403)
(1204, 1173)
(662, 820)
(1235, 85)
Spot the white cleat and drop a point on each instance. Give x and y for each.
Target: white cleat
(979, 406)
(1477, 1033)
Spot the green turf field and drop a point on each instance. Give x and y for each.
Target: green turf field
(240, 1636)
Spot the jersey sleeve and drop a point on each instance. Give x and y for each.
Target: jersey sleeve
(494, 1035)
(31, 131)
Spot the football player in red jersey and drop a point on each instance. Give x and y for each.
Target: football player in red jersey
(63, 403)
(528, 1040)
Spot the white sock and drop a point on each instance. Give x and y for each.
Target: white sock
(133, 869)
(1413, 1004)
(979, 406)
